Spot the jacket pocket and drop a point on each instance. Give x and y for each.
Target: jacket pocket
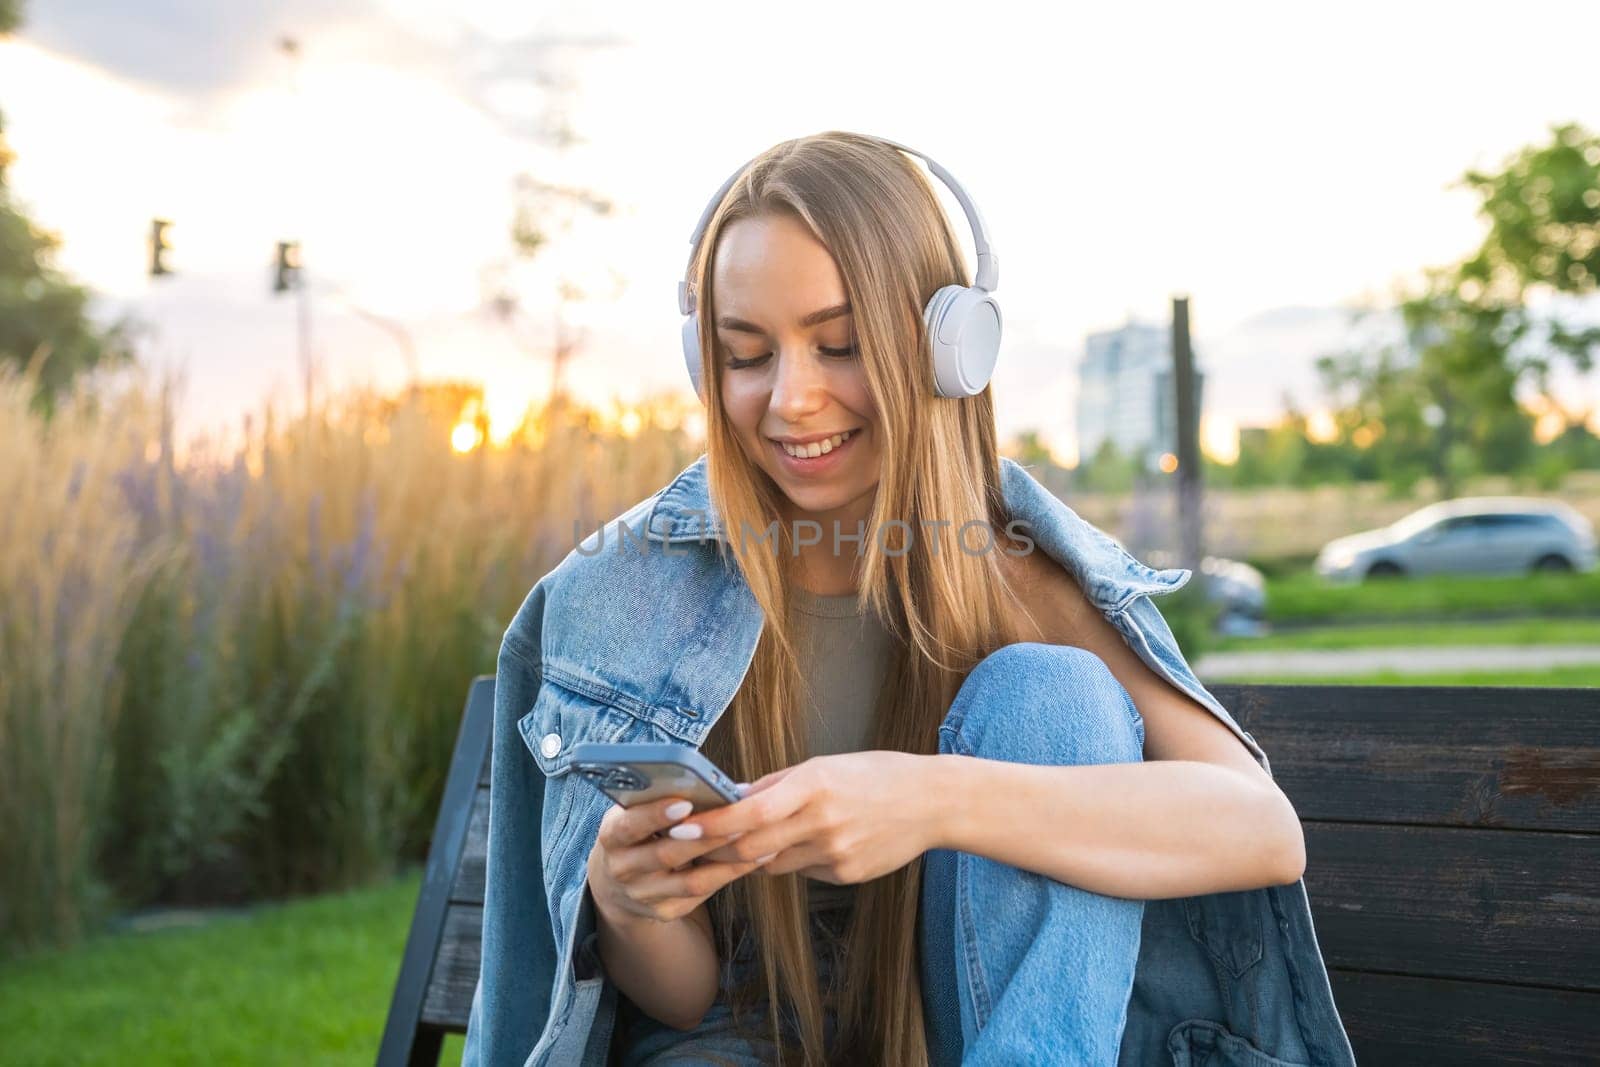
(1228, 927)
(1204, 1043)
(559, 719)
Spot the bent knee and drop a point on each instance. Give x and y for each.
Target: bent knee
(1050, 704)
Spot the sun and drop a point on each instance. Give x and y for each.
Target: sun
(465, 437)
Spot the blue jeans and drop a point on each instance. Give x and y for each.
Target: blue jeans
(1016, 967)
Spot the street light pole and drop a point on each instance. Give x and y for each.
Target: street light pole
(290, 47)
(307, 361)
(1188, 426)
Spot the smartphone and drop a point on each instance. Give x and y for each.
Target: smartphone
(634, 772)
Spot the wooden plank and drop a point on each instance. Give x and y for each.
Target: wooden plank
(428, 921)
(1487, 756)
(455, 971)
(1473, 904)
(468, 887)
(1402, 1021)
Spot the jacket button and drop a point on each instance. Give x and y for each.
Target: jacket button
(550, 744)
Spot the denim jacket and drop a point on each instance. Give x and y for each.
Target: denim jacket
(644, 633)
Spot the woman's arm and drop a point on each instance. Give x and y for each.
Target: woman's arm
(1170, 828)
(1199, 816)
(668, 969)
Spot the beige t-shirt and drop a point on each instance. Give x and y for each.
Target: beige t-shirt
(844, 654)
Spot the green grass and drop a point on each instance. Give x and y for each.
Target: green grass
(1534, 631)
(1559, 677)
(305, 982)
(1305, 598)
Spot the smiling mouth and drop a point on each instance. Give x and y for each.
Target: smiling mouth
(816, 449)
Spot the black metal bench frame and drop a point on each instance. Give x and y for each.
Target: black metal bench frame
(1453, 843)
(415, 1030)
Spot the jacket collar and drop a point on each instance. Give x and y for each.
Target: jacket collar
(683, 510)
(1107, 573)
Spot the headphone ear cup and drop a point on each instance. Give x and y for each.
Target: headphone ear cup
(691, 353)
(963, 325)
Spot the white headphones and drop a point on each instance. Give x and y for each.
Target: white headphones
(963, 322)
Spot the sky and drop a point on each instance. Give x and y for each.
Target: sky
(1275, 164)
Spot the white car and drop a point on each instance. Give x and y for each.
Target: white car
(1468, 535)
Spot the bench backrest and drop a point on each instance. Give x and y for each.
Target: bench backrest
(1452, 860)
(1453, 865)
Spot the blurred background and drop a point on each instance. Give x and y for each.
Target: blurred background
(325, 327)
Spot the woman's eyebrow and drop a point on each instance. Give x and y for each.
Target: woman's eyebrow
(728, 322)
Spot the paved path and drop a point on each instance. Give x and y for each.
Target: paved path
(1414, 660)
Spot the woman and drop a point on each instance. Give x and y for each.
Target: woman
(1040, 839)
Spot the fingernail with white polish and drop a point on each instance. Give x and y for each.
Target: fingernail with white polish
(763, 859)
(686, 831)
(742, 787)
(678, 810)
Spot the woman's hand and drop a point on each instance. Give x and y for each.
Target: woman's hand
(635, 874)
(846, 818)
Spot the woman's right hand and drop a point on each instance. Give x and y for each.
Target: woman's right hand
(635, 874)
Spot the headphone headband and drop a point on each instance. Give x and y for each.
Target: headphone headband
(988, 269)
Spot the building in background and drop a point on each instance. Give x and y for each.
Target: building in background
(1125, 394)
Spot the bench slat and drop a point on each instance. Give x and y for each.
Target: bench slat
(448, 1002)
(468, 886)
(1453, 903)
(1515, 758)
(1393, 1019)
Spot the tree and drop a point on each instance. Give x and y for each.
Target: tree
(1028, 450)
(44, 319)
(1443, 400)
(1273, 455)
(1107, 470)
(543, 212)
(1543, 210)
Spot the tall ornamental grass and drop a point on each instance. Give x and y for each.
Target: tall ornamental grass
(241, 675)
(73, 567)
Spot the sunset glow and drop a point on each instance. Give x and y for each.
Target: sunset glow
(465, 437)
(1321, 427)
(1219, 438)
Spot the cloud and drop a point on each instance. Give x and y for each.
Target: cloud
(201, 52)
(188, 47)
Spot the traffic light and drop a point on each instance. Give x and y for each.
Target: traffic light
(287, 273)
(159, 246)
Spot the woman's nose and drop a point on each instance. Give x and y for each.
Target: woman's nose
(798, 384)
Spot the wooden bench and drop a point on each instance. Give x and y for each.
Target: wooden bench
(1453, 842)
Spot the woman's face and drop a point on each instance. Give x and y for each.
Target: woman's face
(790, 371)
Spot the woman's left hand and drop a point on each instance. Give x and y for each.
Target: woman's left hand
(845, 818)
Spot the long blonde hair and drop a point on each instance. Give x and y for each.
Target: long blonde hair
(948, 606)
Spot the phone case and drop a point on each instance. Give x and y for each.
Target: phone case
(636, 773)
